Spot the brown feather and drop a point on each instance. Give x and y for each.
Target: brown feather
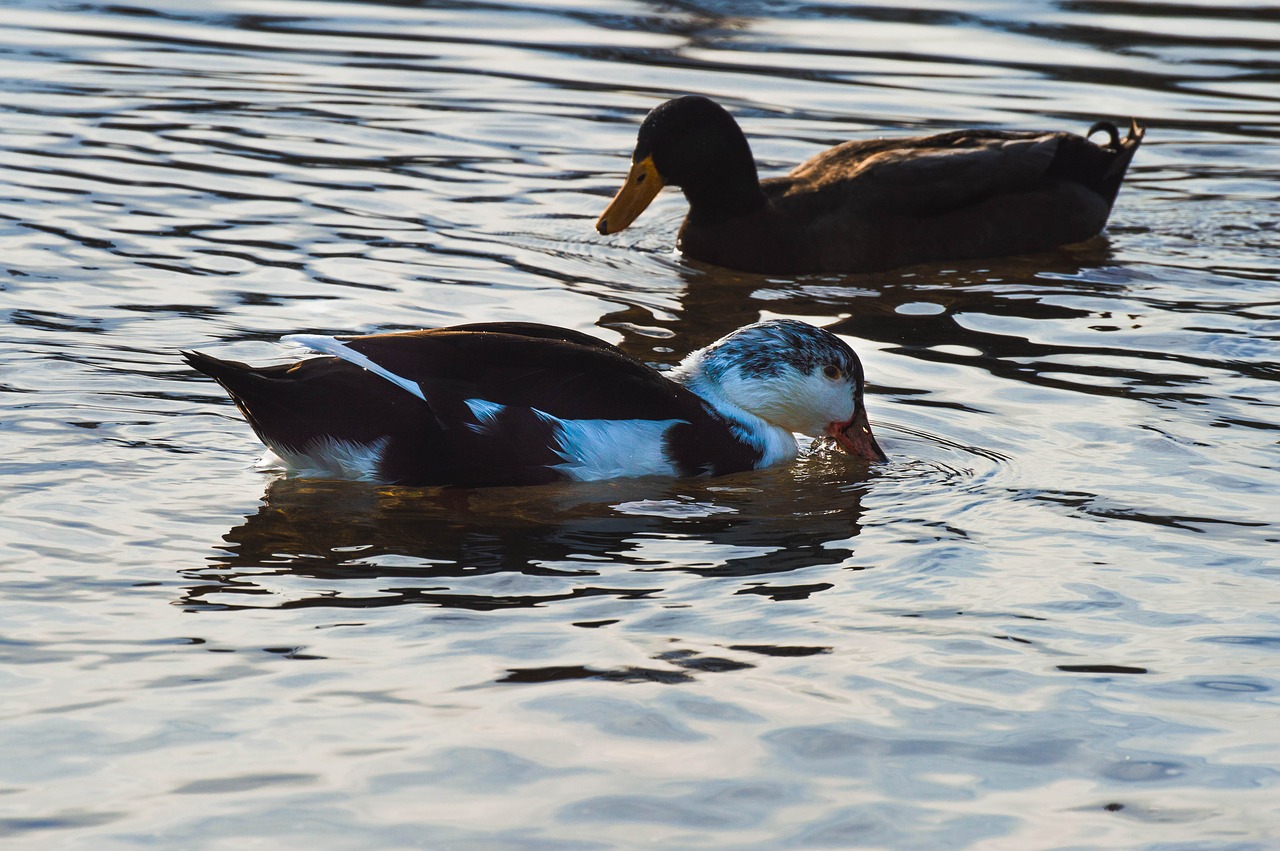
(878, 204)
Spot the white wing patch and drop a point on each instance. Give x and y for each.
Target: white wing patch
(337, 348)
(484, 411)
(328, 458)
(610, 449)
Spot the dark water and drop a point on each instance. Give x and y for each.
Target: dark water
(1052, 621)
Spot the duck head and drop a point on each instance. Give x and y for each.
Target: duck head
(790, 374)
(693, 143)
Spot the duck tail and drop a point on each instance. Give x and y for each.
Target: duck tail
(237, 379)
(252, 389)
(1123, 150)
(1105, 127)
(1100, 167)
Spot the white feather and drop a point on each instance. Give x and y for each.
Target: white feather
(328, 458)
(333, 346)
(776, 444)
(610, 449)
(795, 402)
(484, 411)
(769, 407)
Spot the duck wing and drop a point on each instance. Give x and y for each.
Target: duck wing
(498, 403)
(926, 175)
(560, 372)
(536, 330)
(876, 204)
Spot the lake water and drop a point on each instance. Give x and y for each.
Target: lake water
(1052, 620)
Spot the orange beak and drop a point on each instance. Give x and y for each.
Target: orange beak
(643, 183)
(855, 437)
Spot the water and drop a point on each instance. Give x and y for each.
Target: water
(1053, 620)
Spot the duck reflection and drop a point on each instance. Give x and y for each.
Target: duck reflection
(1034, 319)
(716, 301)
(616, 538)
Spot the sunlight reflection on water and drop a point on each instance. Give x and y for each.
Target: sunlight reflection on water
(1050, 614)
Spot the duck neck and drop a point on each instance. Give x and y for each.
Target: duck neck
(775, 444)
(730, 188)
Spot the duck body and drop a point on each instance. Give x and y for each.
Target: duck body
(871, 205)
(519, 404)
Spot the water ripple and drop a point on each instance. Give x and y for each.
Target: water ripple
(1049, 610)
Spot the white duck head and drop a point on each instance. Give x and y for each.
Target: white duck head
(786, 375)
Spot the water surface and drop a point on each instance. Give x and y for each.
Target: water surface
(1052, 620)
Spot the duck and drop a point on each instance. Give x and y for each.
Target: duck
(875, 204)
(518, 403)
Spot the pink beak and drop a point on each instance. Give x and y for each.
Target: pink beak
(855, 437)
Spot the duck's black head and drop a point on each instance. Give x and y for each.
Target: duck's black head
(693, 143)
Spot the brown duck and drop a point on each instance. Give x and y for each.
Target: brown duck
(871, 205)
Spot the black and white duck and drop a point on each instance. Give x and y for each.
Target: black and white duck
(512, 403)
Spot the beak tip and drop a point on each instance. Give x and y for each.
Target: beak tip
(870, 451)
(857, 439)
(641, 186)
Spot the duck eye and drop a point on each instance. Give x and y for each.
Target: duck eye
(832, 371)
